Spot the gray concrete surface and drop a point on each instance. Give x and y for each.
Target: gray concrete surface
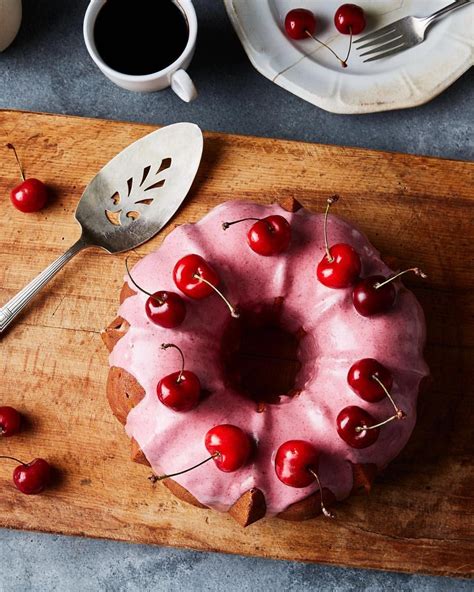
(48, 69)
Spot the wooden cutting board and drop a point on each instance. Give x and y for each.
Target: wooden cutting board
(53, 365)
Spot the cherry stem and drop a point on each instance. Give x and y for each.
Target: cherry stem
(162, 477)
(363, 428)
(233, 310)
(330, 201)
(343, 63)
(398, 411)
(324, 510)
(159, 300)
(225, 225)
(15, 459)
(168, 345)
(350, 47)
(416, 270)
(399, 414)
(18, 160)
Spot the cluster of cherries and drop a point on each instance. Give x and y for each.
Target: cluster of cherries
(340, 268)
(30, 478)
(296, 461)
(349, 19)
(31, 194)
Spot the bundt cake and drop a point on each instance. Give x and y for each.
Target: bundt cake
(299, 360)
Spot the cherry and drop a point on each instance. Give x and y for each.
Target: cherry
(197, 279)
(231, 444)
(357, 427)
(352, 426)
(31, 478)
(268, 236)
(299, 23)
(166, 309)
(181, 390)
(189, 273)
(376, 294)
(296, 465)
(10, 421)
(229, 447)
(364, 376)
(31, 194)
(349, 19)
(340, 266)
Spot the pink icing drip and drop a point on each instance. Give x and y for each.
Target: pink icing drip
(337, 336)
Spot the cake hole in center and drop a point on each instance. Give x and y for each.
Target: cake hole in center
(260, 356)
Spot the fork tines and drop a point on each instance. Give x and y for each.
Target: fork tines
(384, 42)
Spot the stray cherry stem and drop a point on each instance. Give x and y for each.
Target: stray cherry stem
(15, 459)
(233, 310)
(330, 201)
(416, 270)
(324, 510)
(225, 225)
(162, 477)
(343, 63)
(168, 345)
(18, 160)
(160, 302)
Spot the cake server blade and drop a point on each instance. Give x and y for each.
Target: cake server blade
(129, 200)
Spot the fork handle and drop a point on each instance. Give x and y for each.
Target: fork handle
(14, 306)
(446, 10)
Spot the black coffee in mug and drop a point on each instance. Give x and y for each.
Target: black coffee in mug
(140, 37)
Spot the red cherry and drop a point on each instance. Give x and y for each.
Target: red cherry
(31, 194)
(362, 379)
(341, 269)
(189, 273)
(352, 423)
(268, 236)
(196, 278)
(295, 463)
(340, 266)
(230, 444)
(10, 421)
(166, 309)
(229, 447)
(299, 22)
(376, 294)
(181, 390)
(31, 478)
(349, 18)
(369, 299)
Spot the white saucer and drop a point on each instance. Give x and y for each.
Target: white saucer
(311, 72)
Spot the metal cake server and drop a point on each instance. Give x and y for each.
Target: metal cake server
(129, 200)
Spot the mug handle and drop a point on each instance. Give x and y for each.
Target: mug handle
(183, 86)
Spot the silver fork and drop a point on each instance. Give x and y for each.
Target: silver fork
(403, 34)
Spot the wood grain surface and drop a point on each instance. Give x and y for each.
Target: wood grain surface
(419, 517)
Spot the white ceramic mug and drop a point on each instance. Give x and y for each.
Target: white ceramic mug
(10, 21)
(174, 75)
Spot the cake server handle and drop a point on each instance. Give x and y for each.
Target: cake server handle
(14, 306)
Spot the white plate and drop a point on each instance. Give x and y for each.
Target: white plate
(310, 71)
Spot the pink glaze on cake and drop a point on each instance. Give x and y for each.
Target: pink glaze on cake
(337, 336)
